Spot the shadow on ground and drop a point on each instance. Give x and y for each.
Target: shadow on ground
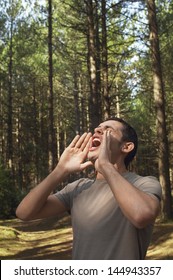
(47, 239)
(51, 239)
(161, 247)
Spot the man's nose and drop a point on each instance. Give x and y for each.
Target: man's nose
(99, 130)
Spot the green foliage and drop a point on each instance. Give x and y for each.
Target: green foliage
(9, 196)
(129, 76)
(7, 233)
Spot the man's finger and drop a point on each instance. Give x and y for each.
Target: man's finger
(86, 164)
(74, 141)
(86, 141)
(81, 140)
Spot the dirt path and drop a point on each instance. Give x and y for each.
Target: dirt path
(52, 239)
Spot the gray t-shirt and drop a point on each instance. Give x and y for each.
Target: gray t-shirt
(100, 230)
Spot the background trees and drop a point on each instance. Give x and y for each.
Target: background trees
(65, 65)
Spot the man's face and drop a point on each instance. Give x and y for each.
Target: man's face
(115, 128)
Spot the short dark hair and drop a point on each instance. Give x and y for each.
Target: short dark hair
(129, 134)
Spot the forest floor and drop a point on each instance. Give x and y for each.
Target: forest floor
(51, 239)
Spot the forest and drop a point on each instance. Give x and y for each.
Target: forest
(67, 65)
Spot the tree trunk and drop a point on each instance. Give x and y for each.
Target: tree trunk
(106, 99)
(159, 98)
(76, 103)
(92, 67)
(52, 132)
(98, 55)
(10, 103)
(36, 132)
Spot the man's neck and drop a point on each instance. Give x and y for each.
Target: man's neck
(120, 169)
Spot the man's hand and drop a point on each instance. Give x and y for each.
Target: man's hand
(39, 203)
(74, 156)
(105, 155)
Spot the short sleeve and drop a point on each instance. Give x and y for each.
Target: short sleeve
(67, 194)
(150, 185)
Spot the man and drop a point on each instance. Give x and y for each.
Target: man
(112, 216)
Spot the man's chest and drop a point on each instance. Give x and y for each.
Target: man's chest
(94, 208)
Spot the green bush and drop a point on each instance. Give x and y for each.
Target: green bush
(9, 196)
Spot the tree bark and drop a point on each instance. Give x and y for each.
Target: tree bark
(10, 103)
(52, 132)
(95, 99)
(159, 98)
(76, 103)
(106, 99)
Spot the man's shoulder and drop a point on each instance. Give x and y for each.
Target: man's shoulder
(80, 182)
(72, 190)
(148, 184)
(78, 185)
(139, 178)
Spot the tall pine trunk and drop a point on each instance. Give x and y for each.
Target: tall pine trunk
(159, 98)
(76, 103)
(106, 99)
(95, 98)
(10, 103)
(52, 132)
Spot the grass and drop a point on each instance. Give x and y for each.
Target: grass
(46, 239)
(161, 247)
(52, 239)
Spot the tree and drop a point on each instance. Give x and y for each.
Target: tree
(52, 131)
(106, 97)
(95, 96)
(72, 63)
(159, 98)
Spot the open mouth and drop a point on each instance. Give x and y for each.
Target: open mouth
(95, 143)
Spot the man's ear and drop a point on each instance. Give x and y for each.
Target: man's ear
(127, 147)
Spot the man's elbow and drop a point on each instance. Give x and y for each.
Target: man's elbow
(22, 215)
(145, 219)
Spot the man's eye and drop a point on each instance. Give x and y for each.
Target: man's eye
(109, 129)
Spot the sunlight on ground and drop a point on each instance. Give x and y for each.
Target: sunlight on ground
(38, 243)
(164, 251)
(15, 244)
(54, 240)
(162, 245)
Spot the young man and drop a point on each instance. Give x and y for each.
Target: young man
(112, 216)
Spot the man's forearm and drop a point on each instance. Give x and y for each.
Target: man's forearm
(36, 198)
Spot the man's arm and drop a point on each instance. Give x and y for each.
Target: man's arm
(139, 207)
(39, 203)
